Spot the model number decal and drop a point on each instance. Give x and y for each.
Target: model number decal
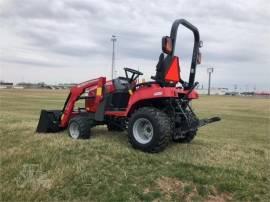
(158, 93)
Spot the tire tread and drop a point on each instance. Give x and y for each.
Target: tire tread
(164, 129)
(84, 126)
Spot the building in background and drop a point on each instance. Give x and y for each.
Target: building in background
(4, 85)
(213, 91)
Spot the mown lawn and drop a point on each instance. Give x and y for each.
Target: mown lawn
(228, 160)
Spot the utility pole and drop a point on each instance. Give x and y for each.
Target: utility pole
(113, 39)
(210, 70)
(254, 88)
(235, 87)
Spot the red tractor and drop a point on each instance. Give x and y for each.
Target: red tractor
(153, 112)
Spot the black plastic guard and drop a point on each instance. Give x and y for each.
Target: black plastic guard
(49, 121)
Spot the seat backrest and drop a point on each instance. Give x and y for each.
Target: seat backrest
(167, 70)
(159, 68)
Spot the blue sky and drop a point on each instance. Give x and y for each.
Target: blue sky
(69, 40)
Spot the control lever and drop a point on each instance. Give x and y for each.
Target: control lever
(192, 88)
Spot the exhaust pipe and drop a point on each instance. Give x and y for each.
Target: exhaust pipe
(49, 121)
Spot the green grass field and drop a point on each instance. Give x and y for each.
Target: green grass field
(228, 160)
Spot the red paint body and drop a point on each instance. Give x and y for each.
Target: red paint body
(150, 93)
(75, 93)
(141, 93)
(97, 88)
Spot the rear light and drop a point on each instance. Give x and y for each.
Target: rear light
(199, 58)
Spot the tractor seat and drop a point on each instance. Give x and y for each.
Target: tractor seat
(159, 68)
(162, 68)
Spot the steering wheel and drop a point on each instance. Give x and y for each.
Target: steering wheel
(133, 71)
(134, 74)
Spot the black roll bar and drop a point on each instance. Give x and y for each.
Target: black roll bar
(195, 47)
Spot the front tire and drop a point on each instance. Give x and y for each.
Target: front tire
(149, 130)
(79, 128)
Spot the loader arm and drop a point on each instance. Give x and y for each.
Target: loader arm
(74, 95)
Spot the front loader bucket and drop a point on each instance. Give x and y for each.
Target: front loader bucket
(49, 121)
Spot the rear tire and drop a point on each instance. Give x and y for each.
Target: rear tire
(149, 130)
(79, 128)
